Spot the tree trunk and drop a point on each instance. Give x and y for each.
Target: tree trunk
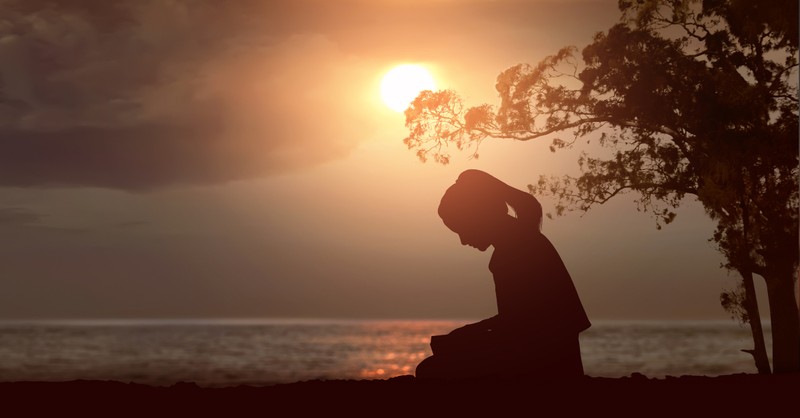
(759, 350)
(785, 324)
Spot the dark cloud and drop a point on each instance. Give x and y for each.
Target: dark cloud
(136, 158)
(12, 216)
(140, 95)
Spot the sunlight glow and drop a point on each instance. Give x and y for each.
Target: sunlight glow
(403, 83)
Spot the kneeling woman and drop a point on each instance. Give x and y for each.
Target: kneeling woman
(539, 314)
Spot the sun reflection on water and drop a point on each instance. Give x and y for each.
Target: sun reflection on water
(394, 364)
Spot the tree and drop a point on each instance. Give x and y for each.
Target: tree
(690, 98)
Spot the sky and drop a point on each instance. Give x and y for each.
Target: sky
(204, 159)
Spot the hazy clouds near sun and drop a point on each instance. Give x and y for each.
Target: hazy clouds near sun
(143, 94)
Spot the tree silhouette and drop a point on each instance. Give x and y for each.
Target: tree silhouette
(691, 97)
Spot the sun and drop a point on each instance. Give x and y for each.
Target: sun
(401, 85)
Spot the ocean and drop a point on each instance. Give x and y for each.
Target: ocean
(261, 352)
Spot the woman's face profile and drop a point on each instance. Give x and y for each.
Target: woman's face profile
(473, 210)
(472, 234)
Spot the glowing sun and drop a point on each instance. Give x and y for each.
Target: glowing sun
(402, 84)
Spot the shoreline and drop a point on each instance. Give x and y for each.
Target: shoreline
(635, 395)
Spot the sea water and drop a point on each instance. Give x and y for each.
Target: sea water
(263, 352)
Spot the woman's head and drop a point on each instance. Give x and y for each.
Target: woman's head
(473, 207)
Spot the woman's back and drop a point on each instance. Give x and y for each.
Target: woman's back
(535, 293)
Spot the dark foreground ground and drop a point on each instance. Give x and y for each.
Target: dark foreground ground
(686, 396)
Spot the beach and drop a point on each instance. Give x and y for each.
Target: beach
(635, 395)
(268, 352)
(363, 368)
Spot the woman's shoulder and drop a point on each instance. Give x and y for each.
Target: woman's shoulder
(530, 249)
(520, 248)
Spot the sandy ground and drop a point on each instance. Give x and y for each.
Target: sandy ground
(686, 396)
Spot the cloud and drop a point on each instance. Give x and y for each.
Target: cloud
(144, 94)
(147, 94)
(13, 216)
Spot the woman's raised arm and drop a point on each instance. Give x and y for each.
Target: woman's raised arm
(526, 206)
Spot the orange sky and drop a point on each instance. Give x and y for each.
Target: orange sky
(195, 159)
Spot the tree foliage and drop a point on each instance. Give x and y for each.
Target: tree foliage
(690, 97)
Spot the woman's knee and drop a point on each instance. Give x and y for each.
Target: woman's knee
(428, 368)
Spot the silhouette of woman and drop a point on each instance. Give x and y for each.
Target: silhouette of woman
(539, 314)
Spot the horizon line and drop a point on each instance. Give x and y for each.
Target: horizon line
(278, 320)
